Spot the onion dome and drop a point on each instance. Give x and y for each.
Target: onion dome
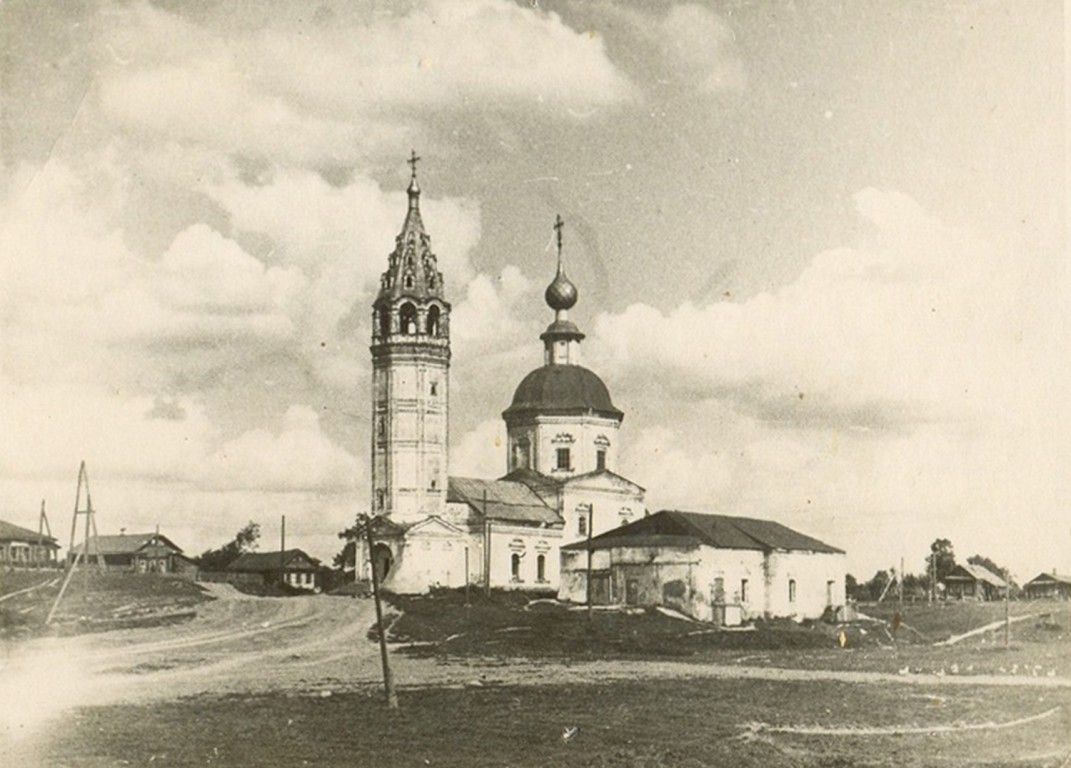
(561, 294)
(562, 389)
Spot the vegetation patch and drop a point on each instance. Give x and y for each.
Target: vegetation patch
(689, 722)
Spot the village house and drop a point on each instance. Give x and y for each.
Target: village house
(973, 582)
(1048, 586)
(22, 548)
(715, 568)
(292, 566)
(136, 552)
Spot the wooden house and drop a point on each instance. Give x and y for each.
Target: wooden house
(1048, 586)
(973, 582)
(137, 552)
(293, 566)
(22, 548)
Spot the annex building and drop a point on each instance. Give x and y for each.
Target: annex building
(529, 529)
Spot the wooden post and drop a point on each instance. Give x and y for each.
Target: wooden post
(282, 551)
(591, 509)
(901, 588)
(466, 577)
(388, 678)
(486, 549)
(1007, 610)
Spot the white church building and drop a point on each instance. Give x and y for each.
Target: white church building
(563, 429)
(531, 528)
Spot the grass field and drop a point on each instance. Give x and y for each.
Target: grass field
(653, 723)
(93, 601)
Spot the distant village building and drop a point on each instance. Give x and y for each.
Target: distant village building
(711, 567)
(438, 530)
(22, 548)
(136, 552)
(292, 566)
(973, 582)
(1048, 586)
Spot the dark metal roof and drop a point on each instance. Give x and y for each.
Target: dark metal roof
(505, 500)
(720, 531)
(124, 544)
(12, 532)
(1049, 578)
(260, 562)
(556, 389)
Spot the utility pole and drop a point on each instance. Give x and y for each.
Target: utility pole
(91, 523)
(1007, 609)
(388, 678)
(486, 549)
(901, 587)
(591, 509)
(282, 550)
(467, 576)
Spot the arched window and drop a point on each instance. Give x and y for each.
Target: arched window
(433, 321)
(541, 568)
(791, 590)
(384, 321)
(515, 566)
(408, 319)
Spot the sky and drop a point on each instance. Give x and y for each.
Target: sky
(820, 248)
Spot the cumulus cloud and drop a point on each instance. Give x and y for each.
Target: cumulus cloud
(485, 319)
(480, 452)
(917, 323)
(334, 95)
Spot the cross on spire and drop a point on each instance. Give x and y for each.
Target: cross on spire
(558, 224)
(413, 160)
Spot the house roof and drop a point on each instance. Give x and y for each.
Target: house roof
(125, 543)
(260, 562)
(12, 532)
(505, 500)
(969, 572)
(1049, 578)
(694, 528)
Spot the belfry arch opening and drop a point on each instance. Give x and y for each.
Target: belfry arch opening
(433, 321)
(383, 317)
(408, 318)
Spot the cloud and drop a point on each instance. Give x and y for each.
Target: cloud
(485, 319)
(700, 47)
(480, 452)
(338, 94)
(299, 458)
(916, 323)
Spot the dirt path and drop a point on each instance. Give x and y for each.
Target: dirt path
(313, 645)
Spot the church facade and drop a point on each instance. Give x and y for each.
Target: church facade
(432, 529)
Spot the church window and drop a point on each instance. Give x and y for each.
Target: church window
(434, 388)
(541, 568)
(582, 524)
(562, 455)
(408, 317)
(433, 321)
(384, 322)
(743, 590)
(381, 428)
(408, 281)
(600, 459)
(791, 590)
(379, 499)
(520, 455)
(515, 566)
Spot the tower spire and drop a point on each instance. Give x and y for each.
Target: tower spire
(414, 188)
(558, 225)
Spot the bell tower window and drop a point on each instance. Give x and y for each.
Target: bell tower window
(384, 322)
(600, 459)
(433, 321)
(408, 316)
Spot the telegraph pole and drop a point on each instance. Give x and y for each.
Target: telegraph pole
(591, 509)
(388, 678)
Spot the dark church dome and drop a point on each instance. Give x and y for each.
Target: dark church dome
(561, 293)
(560, 389)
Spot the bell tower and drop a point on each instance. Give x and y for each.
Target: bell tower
(410, 367)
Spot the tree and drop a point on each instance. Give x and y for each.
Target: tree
(244, 541)
(941, 560)
(877, 584)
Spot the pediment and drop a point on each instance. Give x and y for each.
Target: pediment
(602, 480)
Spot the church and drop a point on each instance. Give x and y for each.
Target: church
(433, 529)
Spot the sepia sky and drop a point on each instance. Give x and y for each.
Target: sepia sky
(820, 249)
